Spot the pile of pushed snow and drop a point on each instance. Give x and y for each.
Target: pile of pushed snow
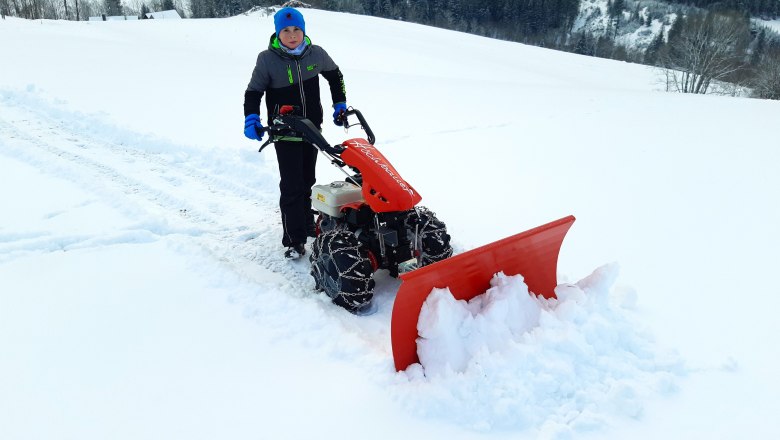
(508, 359)
(453, 332)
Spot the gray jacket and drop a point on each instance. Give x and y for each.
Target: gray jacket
(288, 79)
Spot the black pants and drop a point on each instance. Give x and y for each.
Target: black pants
(297, 162)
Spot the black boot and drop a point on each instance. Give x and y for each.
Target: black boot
(295, 252)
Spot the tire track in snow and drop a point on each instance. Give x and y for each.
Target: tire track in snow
(235, 224)
(228, 219)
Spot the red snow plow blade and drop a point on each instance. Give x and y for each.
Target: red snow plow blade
(533, 254)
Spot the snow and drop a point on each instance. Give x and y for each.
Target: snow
(584, 346)
(451, 332)
(143, 291)
(771, 24)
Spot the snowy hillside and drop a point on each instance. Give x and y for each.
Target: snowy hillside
(143, 293)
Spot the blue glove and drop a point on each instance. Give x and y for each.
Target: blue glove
(251, 125)
(338, 109)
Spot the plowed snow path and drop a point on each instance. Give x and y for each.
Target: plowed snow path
(177, 195)
(216, 200)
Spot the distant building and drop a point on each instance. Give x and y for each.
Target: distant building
(113, 17)
(164, 15)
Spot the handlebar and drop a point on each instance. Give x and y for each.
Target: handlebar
(362, 122)
(260, 131)
(298, 126)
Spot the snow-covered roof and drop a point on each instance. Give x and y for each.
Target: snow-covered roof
(773, 24)
(171, 14)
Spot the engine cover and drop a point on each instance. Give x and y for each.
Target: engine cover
(330, 198)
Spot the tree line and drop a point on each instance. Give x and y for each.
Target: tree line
(710, 43)
(756, 8)
(702, 50)
(708, 47)
(83, 9)
(517, 20)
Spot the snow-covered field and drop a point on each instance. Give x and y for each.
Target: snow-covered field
(143, 293)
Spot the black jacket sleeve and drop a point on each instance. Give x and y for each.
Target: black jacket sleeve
(252, 102)
(336, 82)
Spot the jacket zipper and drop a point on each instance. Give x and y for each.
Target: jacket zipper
(300, 85)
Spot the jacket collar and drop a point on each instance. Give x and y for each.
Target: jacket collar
(274, 45)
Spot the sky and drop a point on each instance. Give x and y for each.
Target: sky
(143, 292)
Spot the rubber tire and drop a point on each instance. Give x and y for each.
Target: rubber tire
(340, 267)
(433, 234)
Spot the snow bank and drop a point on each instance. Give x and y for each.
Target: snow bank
(452, 332)
(507, 359)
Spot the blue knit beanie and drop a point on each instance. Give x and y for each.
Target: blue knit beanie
(288, 17)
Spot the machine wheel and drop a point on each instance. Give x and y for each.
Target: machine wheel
(433, 240)
(340, 266)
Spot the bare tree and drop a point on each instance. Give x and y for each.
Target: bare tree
(113, 7)
(766, 84)
(710, 47)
